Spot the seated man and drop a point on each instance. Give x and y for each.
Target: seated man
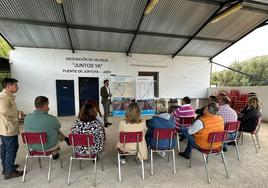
(161, 121)
(200, 111)
(41, 121)
(186, 110)
(228, 114)
(198, 132)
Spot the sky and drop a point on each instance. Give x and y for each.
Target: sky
(253, 45)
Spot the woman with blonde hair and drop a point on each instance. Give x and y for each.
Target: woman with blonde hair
(250, 116)
(133, 123)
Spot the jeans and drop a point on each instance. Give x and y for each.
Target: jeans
(9, 148)
(190, 141)
(230, 136)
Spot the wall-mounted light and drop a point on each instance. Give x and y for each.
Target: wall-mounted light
(227, 12)
(150, 6)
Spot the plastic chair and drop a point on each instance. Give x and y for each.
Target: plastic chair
(255, 133)
(233, 128)
(184, 122)
(163, 134)
(29, 138)
(86, 140)
(125, 138)
(214, 137)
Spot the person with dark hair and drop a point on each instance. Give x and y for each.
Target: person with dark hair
(106, 100)
(200, 111)
(133, 123)
(94, 103)
(9, 128)
(186, 110)
(198, 132)
(40, 121)
(88, 124)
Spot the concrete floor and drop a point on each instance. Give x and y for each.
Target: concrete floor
(251, 171)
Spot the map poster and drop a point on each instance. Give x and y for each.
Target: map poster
(147, 106)
(120, 105)
(144, 87)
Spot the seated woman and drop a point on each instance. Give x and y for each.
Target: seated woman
(161, 121)
(249, 117)
(133, 123)
(94, 103)
(88, 124)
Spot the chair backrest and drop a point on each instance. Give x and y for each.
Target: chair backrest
(163, 134)
(130, 137)
(186, 121)
(232, 126)
(34, 138)
(214, 137)
(81, 139)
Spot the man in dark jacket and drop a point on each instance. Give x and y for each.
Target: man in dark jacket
(105, 100)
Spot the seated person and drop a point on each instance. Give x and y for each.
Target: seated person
(228, 114)
(186, 110)
(40, 121)
(198, 132)
(88, 124)
(133, 123)
(249, 116)
(200, 111)
(161, 121)
(94, 103)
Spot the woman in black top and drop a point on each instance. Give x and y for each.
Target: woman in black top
(249, 116)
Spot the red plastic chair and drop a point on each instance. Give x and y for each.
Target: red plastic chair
(244, 97)
(214, 137)
(29, 138)
(233, 128)
(184, 122)
(125, 138)
(164, 134)
(255, 133)
(86, 140)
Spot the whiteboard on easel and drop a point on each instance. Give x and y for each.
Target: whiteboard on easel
(144, 87)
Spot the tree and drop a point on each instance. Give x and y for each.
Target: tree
(4, 48)
(257, 67)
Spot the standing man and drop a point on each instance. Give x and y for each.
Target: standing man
(105, 100)
(9, 128)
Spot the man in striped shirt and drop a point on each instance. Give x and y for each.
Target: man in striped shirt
(186, 110)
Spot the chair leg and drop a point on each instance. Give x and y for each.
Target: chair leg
(25, 168)
(207, 159)
(49, 168)
(39, 160)
(254, 143)
(168, 157)
(95, 172)
(80, 164)
(70, 170)
(119, 167)
(242, 138)
(174, 162)
(224, 162)
(152, 163)
(142, 168)
(206, 168)
(178, 143)
(237, 151)
(258, 141)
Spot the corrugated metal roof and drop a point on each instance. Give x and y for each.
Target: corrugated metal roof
(156, 45)
(111, 25)
(202, 48)
(124, 14)
(233, 26)
(177, 17)
(100, 41)
(35, 36)
(36, 10)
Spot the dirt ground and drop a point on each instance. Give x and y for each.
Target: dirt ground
(250, 171)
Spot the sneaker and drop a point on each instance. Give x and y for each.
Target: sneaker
(184, 155)
(161, 154)
(13, 174)
(123, 161)
(16, 166)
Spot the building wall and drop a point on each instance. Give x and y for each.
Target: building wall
(260, 90)
(37, 70)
